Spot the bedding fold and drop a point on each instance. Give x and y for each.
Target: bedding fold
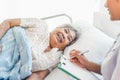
(15, 55)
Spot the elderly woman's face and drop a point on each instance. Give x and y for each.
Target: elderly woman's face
(61, 37)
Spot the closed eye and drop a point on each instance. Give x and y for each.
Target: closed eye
(69, 38)
(66, 30)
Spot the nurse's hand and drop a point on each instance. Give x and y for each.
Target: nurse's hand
(78, 59)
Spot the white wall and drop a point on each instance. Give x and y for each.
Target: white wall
(102, 6)
(77, 9)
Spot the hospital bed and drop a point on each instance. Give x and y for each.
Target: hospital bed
(93, 37)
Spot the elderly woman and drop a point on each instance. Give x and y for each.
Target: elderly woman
(46, 47)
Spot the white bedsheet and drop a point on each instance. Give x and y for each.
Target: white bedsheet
(57, 74)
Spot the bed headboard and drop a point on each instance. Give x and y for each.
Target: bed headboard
(56, 20)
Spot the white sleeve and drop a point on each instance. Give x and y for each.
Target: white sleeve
(116, 73)
(32, 22)
(47, 61)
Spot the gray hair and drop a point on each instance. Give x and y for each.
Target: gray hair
(73, 29)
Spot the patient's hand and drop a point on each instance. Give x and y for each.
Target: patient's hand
(39, 75)
(4, 27)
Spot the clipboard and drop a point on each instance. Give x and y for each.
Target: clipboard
(74, 71)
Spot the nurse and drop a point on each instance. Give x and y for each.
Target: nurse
(110, 68)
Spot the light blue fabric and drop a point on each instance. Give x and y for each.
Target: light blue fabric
(15, 55)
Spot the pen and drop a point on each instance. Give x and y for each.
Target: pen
(80, 54)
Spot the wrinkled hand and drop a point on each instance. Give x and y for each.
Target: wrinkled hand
(39, 75)
(4, 27)
(78, 59)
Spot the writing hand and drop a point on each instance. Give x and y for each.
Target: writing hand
(78, 58)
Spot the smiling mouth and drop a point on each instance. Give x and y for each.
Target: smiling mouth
(60, 37)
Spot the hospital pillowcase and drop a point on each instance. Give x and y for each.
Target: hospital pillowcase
(91, 39)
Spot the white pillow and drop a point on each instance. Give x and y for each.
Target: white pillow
(102, 21)
(91, 39)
